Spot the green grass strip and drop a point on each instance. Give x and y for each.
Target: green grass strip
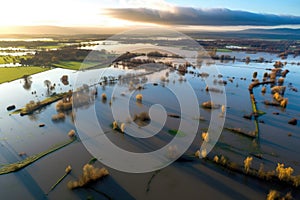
(151, 179)
(14, 73)
(75, 65)
(176, 132)
(224, 50)
(254, 108)
(13, 167)
(256, 112)
(43, 103)
(59, 180)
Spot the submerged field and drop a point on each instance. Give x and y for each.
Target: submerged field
(242, 165)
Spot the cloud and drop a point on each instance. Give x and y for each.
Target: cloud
(153, 4)
(193, 16)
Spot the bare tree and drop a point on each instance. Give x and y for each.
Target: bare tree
(27, 82)
(48, 85)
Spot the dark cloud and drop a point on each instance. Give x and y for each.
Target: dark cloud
(192, 16)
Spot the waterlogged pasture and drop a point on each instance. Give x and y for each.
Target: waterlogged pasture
(230, 170)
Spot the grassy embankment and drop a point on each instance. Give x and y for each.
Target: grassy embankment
(224, 50)
(75, 65)
(29, 160)
(31, 107)
(12, 73)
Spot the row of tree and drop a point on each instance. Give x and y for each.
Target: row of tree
(48, 58)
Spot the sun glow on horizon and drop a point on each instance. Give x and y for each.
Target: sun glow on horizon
(57, 13)
(97, 14)
(68, 13)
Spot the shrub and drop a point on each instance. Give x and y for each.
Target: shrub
(223, 160)
(115, 125)
(278, 64)
(254, 75)
(71, 133)
(122, 127)
(296, 180)
(223, 108)
(197, 153)
(205, 136)
(64, 106)
(58, 117)
(279, 89)
(277, 97)
(68, 169)
(204, 153)
(139, 97)
(280, 80)
(284, 102)
(284, 173)
(210, 105)
(104, 97)
(90, 173)
(216, 159)
(247, 164)
(273, 194)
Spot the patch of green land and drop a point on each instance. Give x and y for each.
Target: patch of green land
(33, 106)
(6, 59)
(12, 73)
(75, 65)
(12, 59)
(224, 50)
(176, 133)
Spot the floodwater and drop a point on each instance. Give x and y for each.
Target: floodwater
(14, 51)
(191, 179)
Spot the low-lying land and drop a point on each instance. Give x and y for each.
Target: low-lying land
(12, 59)
(12, 73)
(75, 65)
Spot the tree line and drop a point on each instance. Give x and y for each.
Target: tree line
(48, 58)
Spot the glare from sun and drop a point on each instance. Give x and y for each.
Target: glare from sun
(56, 13)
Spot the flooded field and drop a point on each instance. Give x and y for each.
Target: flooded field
(275, 139)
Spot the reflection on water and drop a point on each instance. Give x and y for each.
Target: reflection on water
(17, 53)
(22, 134)
(27, 82)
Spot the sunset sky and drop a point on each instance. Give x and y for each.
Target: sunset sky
(126, 13)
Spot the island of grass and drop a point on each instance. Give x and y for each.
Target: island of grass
(224, 50)
(33, 106)
(176, 133)
(13, 73)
